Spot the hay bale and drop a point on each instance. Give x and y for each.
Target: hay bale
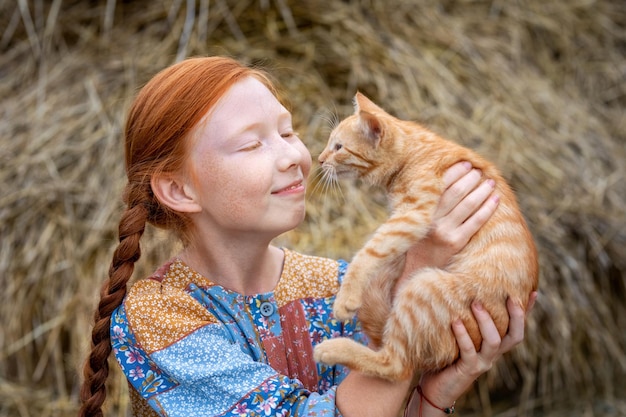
(536, 86)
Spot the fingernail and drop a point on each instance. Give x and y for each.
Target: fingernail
(467, 165)
(495, 198)
(478, 306)
(491, 183)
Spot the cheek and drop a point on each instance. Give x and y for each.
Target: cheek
(239, 190)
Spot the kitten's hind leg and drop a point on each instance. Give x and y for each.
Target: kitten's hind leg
(358, 357)
(422, 316)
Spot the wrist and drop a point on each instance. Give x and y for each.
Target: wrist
(421, 405)
(447, 385)
(425, 401)
(439, 388)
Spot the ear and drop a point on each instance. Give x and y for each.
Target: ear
(371, 127)
(175, 193)
(361, 102)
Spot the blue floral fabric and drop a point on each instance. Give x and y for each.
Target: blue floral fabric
(189, 347)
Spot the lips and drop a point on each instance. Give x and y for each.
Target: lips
(296, 185)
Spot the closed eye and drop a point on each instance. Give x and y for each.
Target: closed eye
(288, 135)
(338, 146)
(252, 146)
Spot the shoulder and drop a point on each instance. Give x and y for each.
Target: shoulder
(160, 309)
(307, 276)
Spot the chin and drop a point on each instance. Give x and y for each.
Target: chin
(297, 219)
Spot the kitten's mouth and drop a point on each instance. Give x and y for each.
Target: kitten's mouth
(344, 173)
(334, 173)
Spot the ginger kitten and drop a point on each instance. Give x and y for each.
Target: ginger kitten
(413, 332)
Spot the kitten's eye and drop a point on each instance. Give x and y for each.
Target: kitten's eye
(338, 146)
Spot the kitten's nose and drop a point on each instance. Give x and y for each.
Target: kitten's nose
(322, 158)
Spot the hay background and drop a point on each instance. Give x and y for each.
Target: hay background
(536, 85)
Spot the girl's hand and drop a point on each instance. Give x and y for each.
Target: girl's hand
(443, 388)
(472, 364)
(465, 206)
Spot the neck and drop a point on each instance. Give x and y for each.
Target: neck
(392, 176)
(243, 267)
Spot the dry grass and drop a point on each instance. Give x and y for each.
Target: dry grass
(538, 86)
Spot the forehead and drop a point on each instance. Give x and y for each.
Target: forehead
(248, 104)
(245, 102)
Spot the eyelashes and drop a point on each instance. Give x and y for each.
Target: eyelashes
(251, 146)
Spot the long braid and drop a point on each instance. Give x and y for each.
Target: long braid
(96, 369)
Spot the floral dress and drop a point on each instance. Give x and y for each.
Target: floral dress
(189, 347)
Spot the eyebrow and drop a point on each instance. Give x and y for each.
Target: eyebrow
(284, 114)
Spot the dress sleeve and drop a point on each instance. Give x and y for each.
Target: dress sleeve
(190, 366)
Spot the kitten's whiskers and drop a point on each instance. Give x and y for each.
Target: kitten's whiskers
(326, 178)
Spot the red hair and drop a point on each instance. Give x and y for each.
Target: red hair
(158, 130)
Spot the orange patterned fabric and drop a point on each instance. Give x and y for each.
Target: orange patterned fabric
(162, 312)
(306, 276)
(190, 347)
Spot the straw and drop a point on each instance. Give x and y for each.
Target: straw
(537, 86)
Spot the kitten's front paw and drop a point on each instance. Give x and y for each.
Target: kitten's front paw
(323, 353)
(346, 304)
(345, 309)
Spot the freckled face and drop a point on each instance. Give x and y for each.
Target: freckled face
(248, 168)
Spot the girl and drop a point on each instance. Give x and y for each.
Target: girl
(227, 327)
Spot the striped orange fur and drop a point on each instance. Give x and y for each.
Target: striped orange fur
(412, 328)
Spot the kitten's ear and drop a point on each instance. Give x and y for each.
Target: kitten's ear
(371, 127)
(361, 102)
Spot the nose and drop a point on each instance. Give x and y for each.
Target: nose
(289, 154)
(322, 158)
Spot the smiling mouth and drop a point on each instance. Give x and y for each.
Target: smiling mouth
(294, 186)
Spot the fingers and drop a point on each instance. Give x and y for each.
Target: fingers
(456, 191)
(470, 214)
(463, 339)
(464, 194)
(474, 363)
(515, 334)
(480, 205)
(490, 346)
(455, 172)
(517, 322)
(531, 301)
